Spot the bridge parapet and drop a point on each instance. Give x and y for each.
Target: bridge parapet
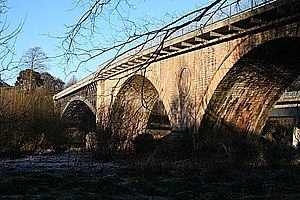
(228, 21)
(218, 14)
(289, 100)
(290, 96)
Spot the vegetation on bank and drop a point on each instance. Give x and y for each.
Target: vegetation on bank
(162, 173)
(28, 122)
(215, 183)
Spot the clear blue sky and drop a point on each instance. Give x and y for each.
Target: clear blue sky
(48, 17)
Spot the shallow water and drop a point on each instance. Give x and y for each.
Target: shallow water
(54, 164)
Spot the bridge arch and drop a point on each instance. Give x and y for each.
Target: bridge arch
(133, 107)
(78, 99)
(80, 114)
(249, 82)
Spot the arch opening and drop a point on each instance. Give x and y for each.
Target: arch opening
(158, 123)
(246, 95)
(81, 121)
(282, 125)
(138, 109)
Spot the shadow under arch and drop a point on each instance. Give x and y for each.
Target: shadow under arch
(137, 107)
(243, 99)
(81, 99)
(80, 116)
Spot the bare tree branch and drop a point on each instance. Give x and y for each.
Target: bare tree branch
(7, 40)
(77, 43)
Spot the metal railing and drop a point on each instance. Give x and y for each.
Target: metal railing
(220, 13)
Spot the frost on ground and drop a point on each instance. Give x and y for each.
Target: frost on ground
(77, 176)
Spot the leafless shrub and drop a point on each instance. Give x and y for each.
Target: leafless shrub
(27, 122)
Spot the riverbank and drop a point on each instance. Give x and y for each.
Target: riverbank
(77, 176)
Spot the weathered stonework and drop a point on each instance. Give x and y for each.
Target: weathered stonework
(231, 83)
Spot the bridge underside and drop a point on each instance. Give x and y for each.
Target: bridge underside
(137, 108)
(80, 116)
(244, 98)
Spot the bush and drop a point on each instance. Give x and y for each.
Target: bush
(28, 122)
(144, 143)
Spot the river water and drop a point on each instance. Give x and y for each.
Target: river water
(55, 164)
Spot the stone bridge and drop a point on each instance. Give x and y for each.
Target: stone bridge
(223, 73)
